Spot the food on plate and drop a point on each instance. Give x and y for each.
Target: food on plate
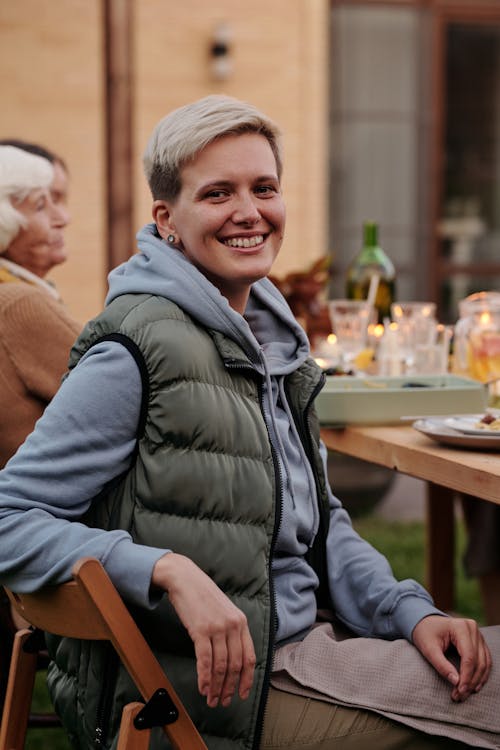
(489, 422)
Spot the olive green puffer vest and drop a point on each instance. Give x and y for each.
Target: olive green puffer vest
(202, 483)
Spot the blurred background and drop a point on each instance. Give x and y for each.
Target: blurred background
(90, 78)
(390, 111)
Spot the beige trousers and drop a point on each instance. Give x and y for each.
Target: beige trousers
(293, 722)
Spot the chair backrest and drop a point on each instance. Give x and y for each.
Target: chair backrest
(90, 608)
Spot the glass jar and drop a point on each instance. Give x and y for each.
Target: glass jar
(477, 337)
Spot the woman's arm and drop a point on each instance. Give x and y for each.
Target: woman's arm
(84, 439)
(365, 594)
(225, 655)
(371, 601)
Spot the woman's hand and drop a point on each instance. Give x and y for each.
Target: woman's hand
(435, 634)
(225, 656)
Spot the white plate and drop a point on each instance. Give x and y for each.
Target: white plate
(468, 425)
(438, 429)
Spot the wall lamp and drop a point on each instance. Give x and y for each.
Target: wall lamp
(220, 52)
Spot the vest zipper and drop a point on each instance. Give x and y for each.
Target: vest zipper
(110, 674)
(274, 618)
(238, 364)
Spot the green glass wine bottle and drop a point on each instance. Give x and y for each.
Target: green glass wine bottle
(369, 262)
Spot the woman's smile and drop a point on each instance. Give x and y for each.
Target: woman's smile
(244, 242)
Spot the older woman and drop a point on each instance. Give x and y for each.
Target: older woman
(183, 451)
(36, 332)
(59, 185)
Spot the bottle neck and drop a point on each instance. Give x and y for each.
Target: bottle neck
(370, 234)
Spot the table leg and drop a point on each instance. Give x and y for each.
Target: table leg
(440, 547)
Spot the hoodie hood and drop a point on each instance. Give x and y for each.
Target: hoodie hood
(267, 328)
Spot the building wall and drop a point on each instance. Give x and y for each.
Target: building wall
(51, 74)
(279, 55)
(52, 93)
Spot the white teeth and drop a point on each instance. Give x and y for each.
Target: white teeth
(244, 241)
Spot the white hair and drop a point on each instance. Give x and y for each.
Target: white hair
(20, 173)
(182, 134)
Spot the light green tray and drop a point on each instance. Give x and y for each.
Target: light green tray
(384, 400)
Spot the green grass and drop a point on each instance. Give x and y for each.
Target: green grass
(44, 739)
(47, 739)
(401, 542)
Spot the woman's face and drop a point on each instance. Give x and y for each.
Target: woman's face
(59, 189)
(229, 217)
(39, 245)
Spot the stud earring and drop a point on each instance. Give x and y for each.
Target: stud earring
(171, 239)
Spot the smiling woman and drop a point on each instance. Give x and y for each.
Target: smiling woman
(185, 438)
(230, 227)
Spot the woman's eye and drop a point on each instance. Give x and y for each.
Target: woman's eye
(217, 194)
(265, 190)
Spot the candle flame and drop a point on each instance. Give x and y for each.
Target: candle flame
(376, 330)
(321, 362)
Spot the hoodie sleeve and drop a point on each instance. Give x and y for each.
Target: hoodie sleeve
(364, 592)
(84, 439)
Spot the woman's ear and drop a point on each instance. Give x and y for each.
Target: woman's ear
(163, 219)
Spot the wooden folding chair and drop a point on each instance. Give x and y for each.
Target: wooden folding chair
(7, 633)
(90, 608)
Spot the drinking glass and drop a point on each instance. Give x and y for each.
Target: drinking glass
(350, 320)
(432, 358)
(416, 328)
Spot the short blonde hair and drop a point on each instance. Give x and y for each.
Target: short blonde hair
(20, 173)
(183, 133)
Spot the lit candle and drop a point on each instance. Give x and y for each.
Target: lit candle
(327, 352)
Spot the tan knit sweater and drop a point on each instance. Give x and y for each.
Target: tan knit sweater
(36, 334)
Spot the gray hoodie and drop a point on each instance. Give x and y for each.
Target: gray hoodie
(87, 435)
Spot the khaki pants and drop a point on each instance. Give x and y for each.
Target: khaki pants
(293, 722)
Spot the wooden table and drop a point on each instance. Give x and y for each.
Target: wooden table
(446, 470)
